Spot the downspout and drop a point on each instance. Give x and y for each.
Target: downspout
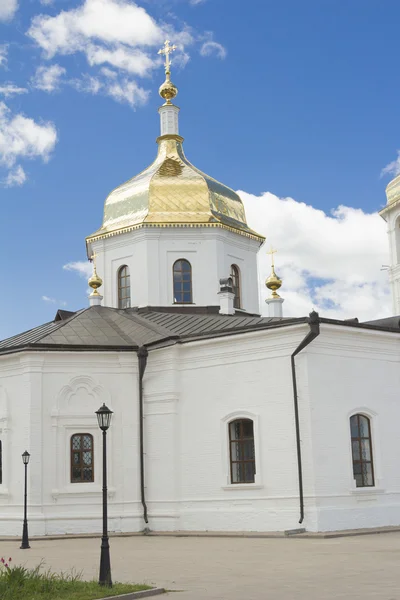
(142, 355)
(313, 322)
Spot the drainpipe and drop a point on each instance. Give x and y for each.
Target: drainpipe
(142, 354)
(313, 322)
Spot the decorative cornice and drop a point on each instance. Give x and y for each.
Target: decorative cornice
(107, 234)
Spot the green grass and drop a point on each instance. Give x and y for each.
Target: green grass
(19, 583)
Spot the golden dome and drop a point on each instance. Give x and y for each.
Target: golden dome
(393, 190)
(273, 283)
(95, 282)
(172, 192)
(168, 90)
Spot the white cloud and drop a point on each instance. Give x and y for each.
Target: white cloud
(8, 8)
(127, 92)
(3, 55)
(46, 2)
(196, 2)
(87, 84)
(211, 48)
(50, 300)
(83, 268)
(15, 177)
(22, 137)
(392, 168)
(122, 90)
(127, 59)
(109, 73)
(110, 21)
(331, 263)
(10, 89)
(48, 78)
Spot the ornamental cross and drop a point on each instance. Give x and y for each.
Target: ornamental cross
(166, 51)
(93, 260)
(272, 252)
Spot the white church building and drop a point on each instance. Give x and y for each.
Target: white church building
(223, 420)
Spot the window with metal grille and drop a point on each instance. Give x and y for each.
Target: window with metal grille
(361, 446)
(182, 272)
(242, 454)
(82, 466)
(124, 287)
(235, 274)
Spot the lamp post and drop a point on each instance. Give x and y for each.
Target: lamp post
(104, 420)
(25, 541)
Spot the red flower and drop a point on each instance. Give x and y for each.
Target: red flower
(9, 560)
(2, 560)
(6, 566)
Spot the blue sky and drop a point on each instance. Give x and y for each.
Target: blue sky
(279, 100)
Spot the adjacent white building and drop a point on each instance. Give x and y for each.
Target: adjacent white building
(223, 420)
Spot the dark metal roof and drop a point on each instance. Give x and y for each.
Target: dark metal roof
(103, 328)
(100, 327)
(392, 322)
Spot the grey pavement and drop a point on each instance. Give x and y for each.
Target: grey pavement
(235, 568)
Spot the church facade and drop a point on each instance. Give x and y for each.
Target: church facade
(223, 420)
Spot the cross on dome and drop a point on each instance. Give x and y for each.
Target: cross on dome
(166, 51)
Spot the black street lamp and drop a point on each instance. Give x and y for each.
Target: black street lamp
(104, 420)
(25, 541)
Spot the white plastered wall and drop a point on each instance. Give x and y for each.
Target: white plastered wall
(151, 252)
(354, 371)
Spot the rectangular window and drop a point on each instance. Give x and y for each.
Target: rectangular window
(82, 468)
(361, 446)
(242, 453)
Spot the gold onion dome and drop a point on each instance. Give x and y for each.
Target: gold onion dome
(168, 90)
(273, 283)
(171, 191)
(95, 282)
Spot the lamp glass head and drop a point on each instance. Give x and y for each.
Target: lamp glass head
(25, 457)
(104, 417)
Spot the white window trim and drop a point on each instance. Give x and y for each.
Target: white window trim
(226, 483)
(378, 487)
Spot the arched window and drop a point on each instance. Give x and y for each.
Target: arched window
(361, 445)
(235, 274)
(82, 466)
(242, 454)
(124, 288)
(182, 282)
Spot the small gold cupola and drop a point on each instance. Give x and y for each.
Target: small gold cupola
(167, 90)
(273, 282)
(95, 282)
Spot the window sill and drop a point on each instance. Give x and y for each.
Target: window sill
(243, 486)
(3, 492)
(366, 491)
(81, 489)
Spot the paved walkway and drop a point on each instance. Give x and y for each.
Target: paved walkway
(236, 569)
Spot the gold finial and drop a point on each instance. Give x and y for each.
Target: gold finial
(95, 281)
(273, 282)
(167, 90)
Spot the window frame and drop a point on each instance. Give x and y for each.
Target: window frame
(236, 286)
(81, 465)
(120, 278)
(361, 461)
(182, 291)
(241, 440)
